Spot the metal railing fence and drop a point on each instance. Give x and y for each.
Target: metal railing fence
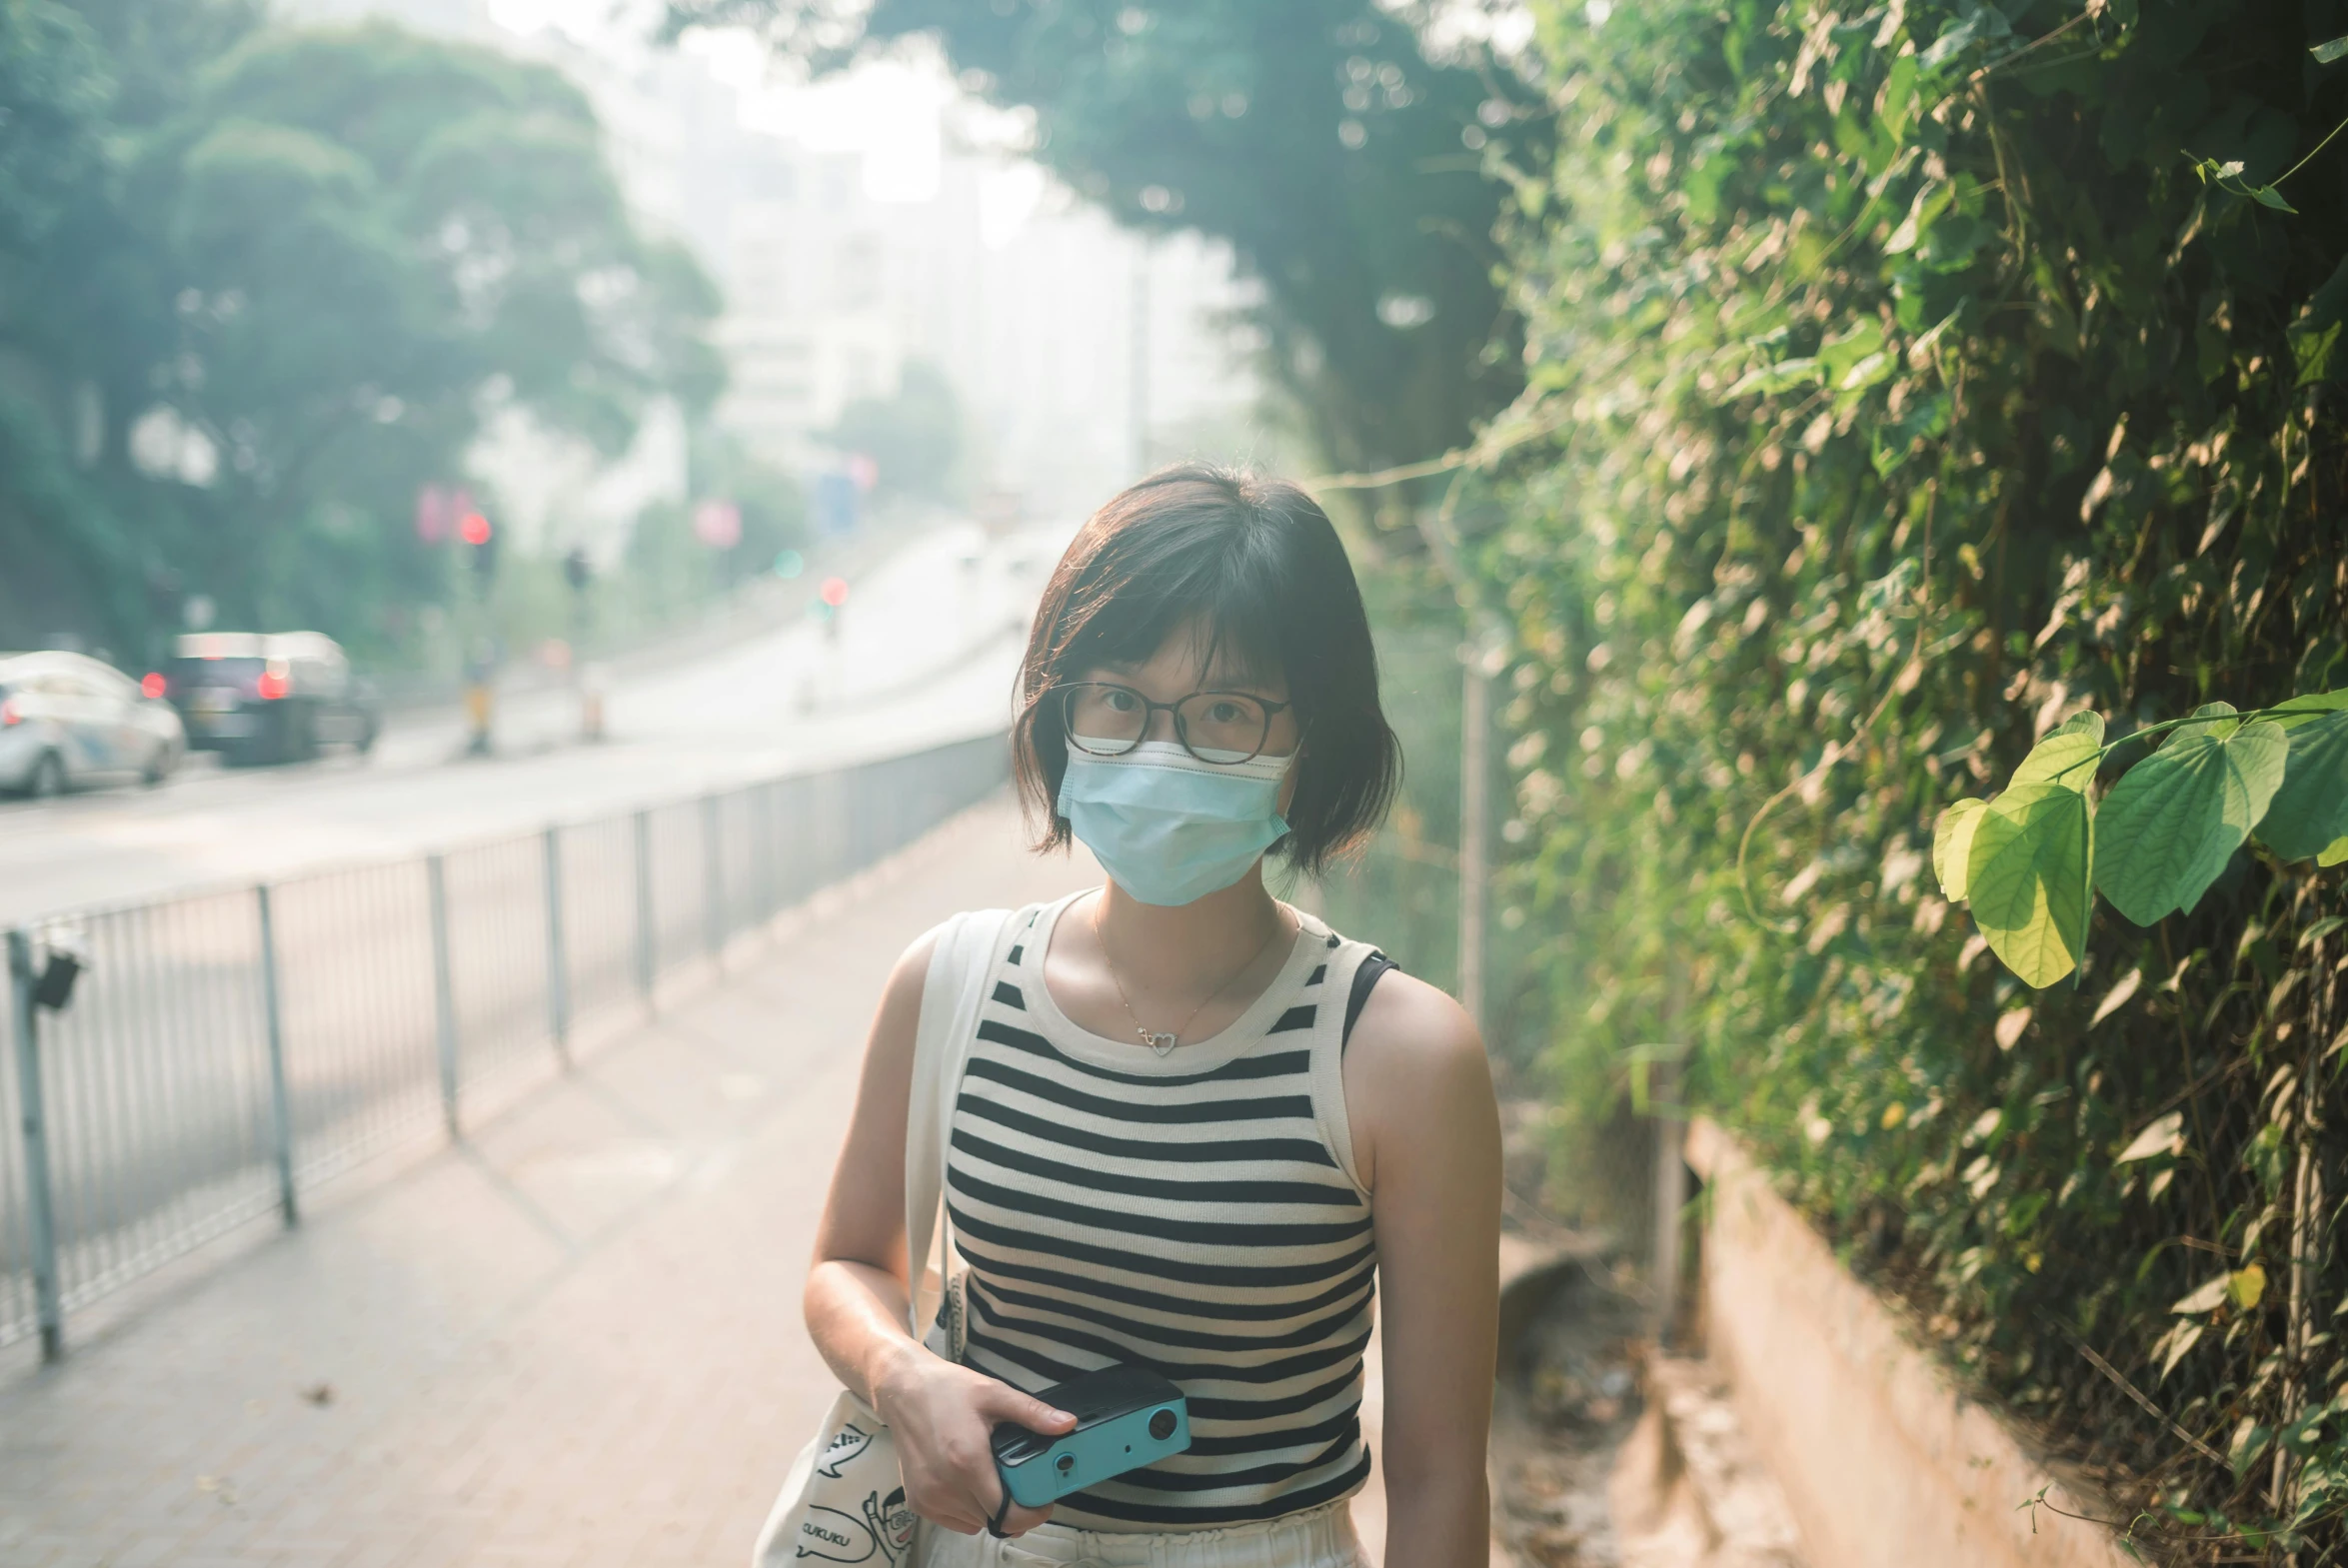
(222, 1053)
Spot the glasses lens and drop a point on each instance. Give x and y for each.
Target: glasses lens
(1104, 719)
(1224, 727)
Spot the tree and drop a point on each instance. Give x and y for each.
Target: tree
(376, 235)
(55, 92)
(316, 258)
(1316, 136)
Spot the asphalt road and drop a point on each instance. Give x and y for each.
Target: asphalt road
(926, 650)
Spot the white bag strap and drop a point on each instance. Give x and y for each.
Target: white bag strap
(968, 949)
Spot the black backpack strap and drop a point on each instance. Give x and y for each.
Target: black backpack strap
(1366, 976)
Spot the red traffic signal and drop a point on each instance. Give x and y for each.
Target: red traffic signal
(835, 592)
(472, 528)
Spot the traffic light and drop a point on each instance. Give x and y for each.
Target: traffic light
(481, 541)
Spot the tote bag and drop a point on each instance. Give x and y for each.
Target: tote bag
(843, 1500)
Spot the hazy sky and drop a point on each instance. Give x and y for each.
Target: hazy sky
(895, 111)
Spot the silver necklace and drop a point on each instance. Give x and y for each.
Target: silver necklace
(1162, 1041)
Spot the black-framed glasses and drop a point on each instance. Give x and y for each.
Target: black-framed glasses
(1223, 729)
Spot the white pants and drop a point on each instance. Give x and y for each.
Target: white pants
(1320, 1538)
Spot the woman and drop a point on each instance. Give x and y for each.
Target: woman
(1197, 1129)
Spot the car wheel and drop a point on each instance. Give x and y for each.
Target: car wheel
(157, 769)
(48, 777)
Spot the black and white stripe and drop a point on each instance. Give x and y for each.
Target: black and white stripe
(1109, 1205)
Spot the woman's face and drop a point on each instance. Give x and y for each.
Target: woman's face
(1226, 715)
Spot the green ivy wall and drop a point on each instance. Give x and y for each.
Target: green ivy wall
(1905, 381)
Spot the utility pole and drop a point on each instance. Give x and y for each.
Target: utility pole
(1479, 659)
(1666, 1098)
(1138, 393)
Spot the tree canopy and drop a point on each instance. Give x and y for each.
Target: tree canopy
(298, 270)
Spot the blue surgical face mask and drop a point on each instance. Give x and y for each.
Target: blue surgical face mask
(1168, 827)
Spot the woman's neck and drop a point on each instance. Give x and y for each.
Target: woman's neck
(1173, 951)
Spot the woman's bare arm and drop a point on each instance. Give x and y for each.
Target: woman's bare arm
(1426, 1139)
(859, 1288)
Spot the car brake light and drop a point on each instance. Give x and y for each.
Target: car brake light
(9, 714)
(154, 685)
(272, 684)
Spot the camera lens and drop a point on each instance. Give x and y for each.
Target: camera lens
(1161, 1425)
(1067, 1462)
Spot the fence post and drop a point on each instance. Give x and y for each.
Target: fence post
(558, 964)
(713, 882)
(770, 853)
(280, 1105)
(644, 948)
(443, 990)
(48, 1304)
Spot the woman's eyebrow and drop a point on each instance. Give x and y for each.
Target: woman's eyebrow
(1246, 685)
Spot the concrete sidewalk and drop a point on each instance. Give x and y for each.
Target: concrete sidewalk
(574, 1339)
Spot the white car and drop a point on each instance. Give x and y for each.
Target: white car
(67, 722)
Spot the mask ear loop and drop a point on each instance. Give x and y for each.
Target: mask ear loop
(1289, 785)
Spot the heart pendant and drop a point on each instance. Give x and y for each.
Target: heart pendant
(1160, 1043)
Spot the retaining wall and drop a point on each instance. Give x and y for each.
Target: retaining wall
(1884, 1460)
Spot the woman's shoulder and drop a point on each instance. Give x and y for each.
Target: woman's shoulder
(1418, 1085)
(1408, 1028)
(1399, 1014)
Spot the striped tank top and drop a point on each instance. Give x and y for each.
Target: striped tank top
(1195, 1213)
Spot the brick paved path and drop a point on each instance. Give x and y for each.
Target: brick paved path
(573, 1340)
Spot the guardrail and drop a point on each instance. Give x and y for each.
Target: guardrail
(222, 1053)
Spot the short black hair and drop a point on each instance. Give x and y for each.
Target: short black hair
(1256, 564)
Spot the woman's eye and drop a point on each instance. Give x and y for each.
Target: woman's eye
(1121, 702)
(1224, 714)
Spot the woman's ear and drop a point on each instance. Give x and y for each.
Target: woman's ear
(1288, 792)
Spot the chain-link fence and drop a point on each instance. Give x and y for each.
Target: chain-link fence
(219, 1054)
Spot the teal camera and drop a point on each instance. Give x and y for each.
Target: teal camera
(1127, 1417)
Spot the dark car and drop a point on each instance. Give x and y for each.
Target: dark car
(276, 696)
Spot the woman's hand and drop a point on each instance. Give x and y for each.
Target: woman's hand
(942, 1417)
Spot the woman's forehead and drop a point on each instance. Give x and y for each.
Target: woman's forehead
(1194, 658)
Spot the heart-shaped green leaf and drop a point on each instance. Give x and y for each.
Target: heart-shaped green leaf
(1952, 845)
(2310, 810)
(2027, 873)
(2169, 826)
(2063, 757)
(2214, 719)
(2308, 709)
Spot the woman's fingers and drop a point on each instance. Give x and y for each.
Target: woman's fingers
(1019, 1521)
(1000, 1402)
(950, 1478)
